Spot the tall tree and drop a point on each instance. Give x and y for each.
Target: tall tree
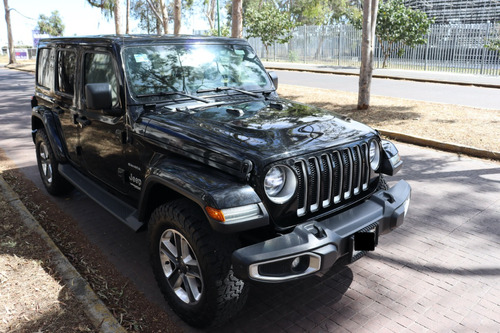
(237, 19)
(10, 40)
(177, 16)
(370, 9)
(51, 25)
(109, 8)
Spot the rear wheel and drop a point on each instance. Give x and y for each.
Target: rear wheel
(47, 166)
(192, 265)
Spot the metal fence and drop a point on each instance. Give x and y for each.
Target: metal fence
(451, 48)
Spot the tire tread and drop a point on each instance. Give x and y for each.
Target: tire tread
(230, 293)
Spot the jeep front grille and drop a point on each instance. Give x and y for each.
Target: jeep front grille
(331, 178)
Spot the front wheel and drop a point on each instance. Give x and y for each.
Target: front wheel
(192, 265)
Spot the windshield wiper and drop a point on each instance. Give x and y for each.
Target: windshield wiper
(170, 93)
(218, 89)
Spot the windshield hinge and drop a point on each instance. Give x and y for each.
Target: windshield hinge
(246, 168)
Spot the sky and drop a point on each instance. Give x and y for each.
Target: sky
(78, 17)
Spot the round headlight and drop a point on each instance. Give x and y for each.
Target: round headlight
(280, 184)
(374, 155)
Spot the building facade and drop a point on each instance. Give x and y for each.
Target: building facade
(459, 11)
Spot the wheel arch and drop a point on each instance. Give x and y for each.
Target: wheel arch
(157, 192)
(44, 119)
(201, 186)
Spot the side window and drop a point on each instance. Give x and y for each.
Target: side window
(99, 69)
(45, 69)
(66, 68)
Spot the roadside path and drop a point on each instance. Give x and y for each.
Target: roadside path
(395, 74)
(467, 93)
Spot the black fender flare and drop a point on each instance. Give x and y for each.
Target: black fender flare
(205, 186)
(49, 123)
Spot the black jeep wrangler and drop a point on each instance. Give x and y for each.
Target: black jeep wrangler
(187, 138)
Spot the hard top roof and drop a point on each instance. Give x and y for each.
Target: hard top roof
(138, 39)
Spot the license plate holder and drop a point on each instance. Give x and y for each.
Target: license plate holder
(363, 241)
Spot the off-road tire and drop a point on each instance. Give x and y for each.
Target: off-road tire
(54, 183)
(222, 294)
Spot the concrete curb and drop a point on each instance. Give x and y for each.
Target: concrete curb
(95, 309)
(450, 147)
(22, 68)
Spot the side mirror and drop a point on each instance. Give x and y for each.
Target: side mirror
(98, 96)
(274, 78)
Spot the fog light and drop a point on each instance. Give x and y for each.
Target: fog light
(295, 263)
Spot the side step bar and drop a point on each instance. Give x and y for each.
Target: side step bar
(121, 210)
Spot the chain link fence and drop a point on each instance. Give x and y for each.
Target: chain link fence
(459, 48)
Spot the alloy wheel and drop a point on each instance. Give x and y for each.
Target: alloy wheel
(45, 162)
(180, 266)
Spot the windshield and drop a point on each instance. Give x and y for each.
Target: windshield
(154, 70)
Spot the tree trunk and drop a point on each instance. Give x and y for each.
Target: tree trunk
(237, 24)
(159, 30)
(370, 9)
(127, 18)
(10, 40)
(161, 17)
(320, 43)
(164, 16)
(210, 13)
(177, 17)
(118, 17)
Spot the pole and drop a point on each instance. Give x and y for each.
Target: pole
(218, 19)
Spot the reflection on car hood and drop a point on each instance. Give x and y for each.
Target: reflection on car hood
(262, 131)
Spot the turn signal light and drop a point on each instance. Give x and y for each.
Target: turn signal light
(216, 214)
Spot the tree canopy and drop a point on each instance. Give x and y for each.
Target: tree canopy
(398, 25)
(268, 23)
(319, 12)
(51, 25)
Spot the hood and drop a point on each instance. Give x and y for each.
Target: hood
(262, 131)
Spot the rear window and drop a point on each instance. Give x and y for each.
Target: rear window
(45, 68)
(66, 66)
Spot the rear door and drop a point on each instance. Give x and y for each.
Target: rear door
(64, 99)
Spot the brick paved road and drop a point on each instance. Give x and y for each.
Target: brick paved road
(439, 272)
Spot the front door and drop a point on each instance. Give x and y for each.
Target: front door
(102, 135)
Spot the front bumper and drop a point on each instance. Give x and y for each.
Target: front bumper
(314, 246)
